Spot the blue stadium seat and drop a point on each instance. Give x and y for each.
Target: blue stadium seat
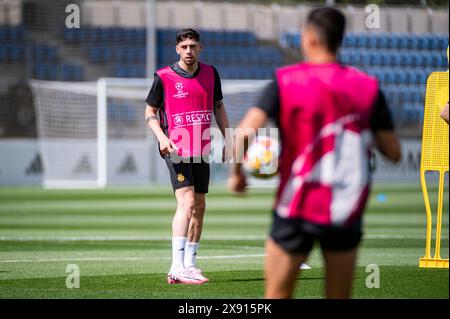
(250, 38)
(410, 77)
(45, 71)
(129, 35)
(414, 42)
(383, 41)
(118, 54)
(404, 41)
(385, 58)
(43, 52)
(434, 43)
(442, 61)
(343, 57)
(228, 38)
(346, 42)
(353, 58)
(416, 59)
(396, 60)
(95, 54)
(52, 72)
(103, 35)
(365, 58)
(443, 42)
(393, 41)
(130, 54)
(15, 33)
(238, 38)
(141, 35)
(400, 77)
(71, 72)
(93, 35)
(422, 78)
(406, 59)
(372, 41)
(39, 71)
(427, 60)
(375, 59)
(3, 53)
(121, 71)
(106, 54)
(207, 38)
(141, 54)
(436, 61)
(220, 57)
(3, 34)
(389, 77)
(423, 42)
(16, 52)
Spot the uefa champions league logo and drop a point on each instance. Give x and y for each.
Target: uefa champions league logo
(180, 94)
(178, 120)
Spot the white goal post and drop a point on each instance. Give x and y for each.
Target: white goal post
(93, 134)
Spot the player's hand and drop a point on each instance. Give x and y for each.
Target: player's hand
(237, 183)
(444, 113)
(166, 146)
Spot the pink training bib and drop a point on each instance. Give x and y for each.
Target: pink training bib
(325, 116)
(188, 104)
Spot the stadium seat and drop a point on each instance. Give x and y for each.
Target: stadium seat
(3, 34)
(404, 42)
(42, 52)
(389, 77)
(396, 60)
(373, 42)
(385, 59)
(443, 42)
(71, 72)
(3, 53)
(383, 41)
(365, 58)
(414, 42)
(120, 71)
(393, 41)
(400, 77)
(375, 59)
(422, 42)
(427, 60)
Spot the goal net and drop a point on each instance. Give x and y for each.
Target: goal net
(93, 134)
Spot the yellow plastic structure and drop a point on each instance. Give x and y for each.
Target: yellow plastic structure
(435, 151)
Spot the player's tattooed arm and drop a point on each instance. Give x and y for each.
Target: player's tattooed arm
(151, 118)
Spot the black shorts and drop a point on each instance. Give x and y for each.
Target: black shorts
(195, 173)
(297, 236)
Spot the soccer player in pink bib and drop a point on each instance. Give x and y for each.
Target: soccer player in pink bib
(329, 116)
(186, 95)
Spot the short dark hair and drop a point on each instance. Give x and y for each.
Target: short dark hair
(184, 34)
(330, 24)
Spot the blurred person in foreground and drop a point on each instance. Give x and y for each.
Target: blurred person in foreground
(329, 116)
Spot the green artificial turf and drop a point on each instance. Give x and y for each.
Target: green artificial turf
(120, 240)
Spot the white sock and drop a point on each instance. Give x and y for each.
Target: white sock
(178, 244)
(190, 254)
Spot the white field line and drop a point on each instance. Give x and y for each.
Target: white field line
(155, 238)
(122, 258)
(120, 238)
